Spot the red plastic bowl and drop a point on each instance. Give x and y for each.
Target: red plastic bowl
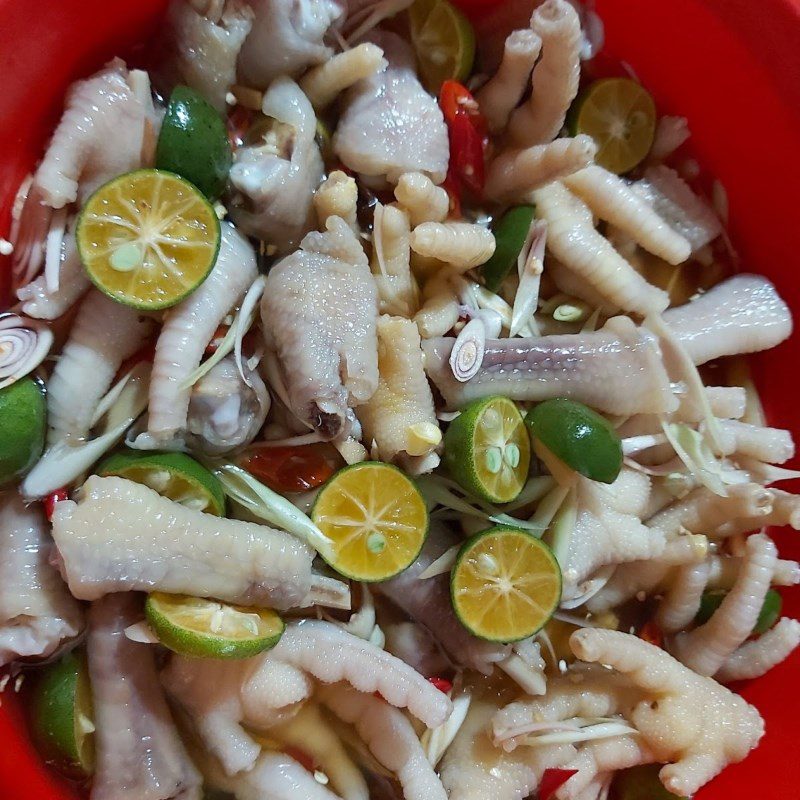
(730, 66)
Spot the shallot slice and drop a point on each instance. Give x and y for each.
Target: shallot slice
(24, 343)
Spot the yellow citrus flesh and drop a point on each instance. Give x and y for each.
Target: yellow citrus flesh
(444, 42)
(620, 116)
(207, 628)
(505, 585)
(376, 518)
(148, 238)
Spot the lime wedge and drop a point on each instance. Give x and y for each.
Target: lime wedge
(487, 450)
(193, 142)
(376, 518)
(620, 115)
(767, 617)
(201, 628)
(505, 584)
(62, 717)
(444, 42)
(510, 233)
(23, 412)
(148, 238)
(173, 475)
(580, 437)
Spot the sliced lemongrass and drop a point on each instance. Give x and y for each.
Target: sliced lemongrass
(466, 356)
(351, 450)
(244, 321)
(530, 265)
(767, 473)
(435, 741)
(63, 463)
(545, 639)
(371, 16)
(53, 247)
(24, 344)
(261, 501)
(571, 312)
(441, 565)
(110, 398)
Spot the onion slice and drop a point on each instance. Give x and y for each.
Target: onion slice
(24, 343)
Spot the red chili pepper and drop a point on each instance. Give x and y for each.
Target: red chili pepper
(301, 757)
(239, 120)
(216, 339)
(291, 469)
(651, 633)
(552, 780)
(468, 135)
(442, 684)
(50, 502)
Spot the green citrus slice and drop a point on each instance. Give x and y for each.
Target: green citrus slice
(770, 609)
(22, 427)
(487, 449)
(376, 518)
(620, 115)
(202, 628)
(173, 475)
(62, 717)
(148, 238)
(580, 437)
(444, 42)
(505, 584)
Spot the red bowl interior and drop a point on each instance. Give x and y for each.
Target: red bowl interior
(730, 66)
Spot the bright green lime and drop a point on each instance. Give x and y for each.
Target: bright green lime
(510, 233)
(173, 475)
(640, 783)
(505, 584)
(580, 437)
(61, 716)
(202, 628)
(194, 142)
(767, 617)
(487, 449)
(23, 413)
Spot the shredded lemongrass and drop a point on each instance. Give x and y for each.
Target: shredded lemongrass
(589, 588)
(586, 730)
(527, 676)
(635, 444)
(530, 265)
(559, 534)
(224, 348)
(64, 462)
(695, 453)
(695, 388)
(244, 320)
(549, 505)
(443, 564)
(261, 501)
(53, 246)
(291, 441)
(544, 637)
(533, 491)
(141, 632)
(591, 323)
(435, 741)
(438, 490)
